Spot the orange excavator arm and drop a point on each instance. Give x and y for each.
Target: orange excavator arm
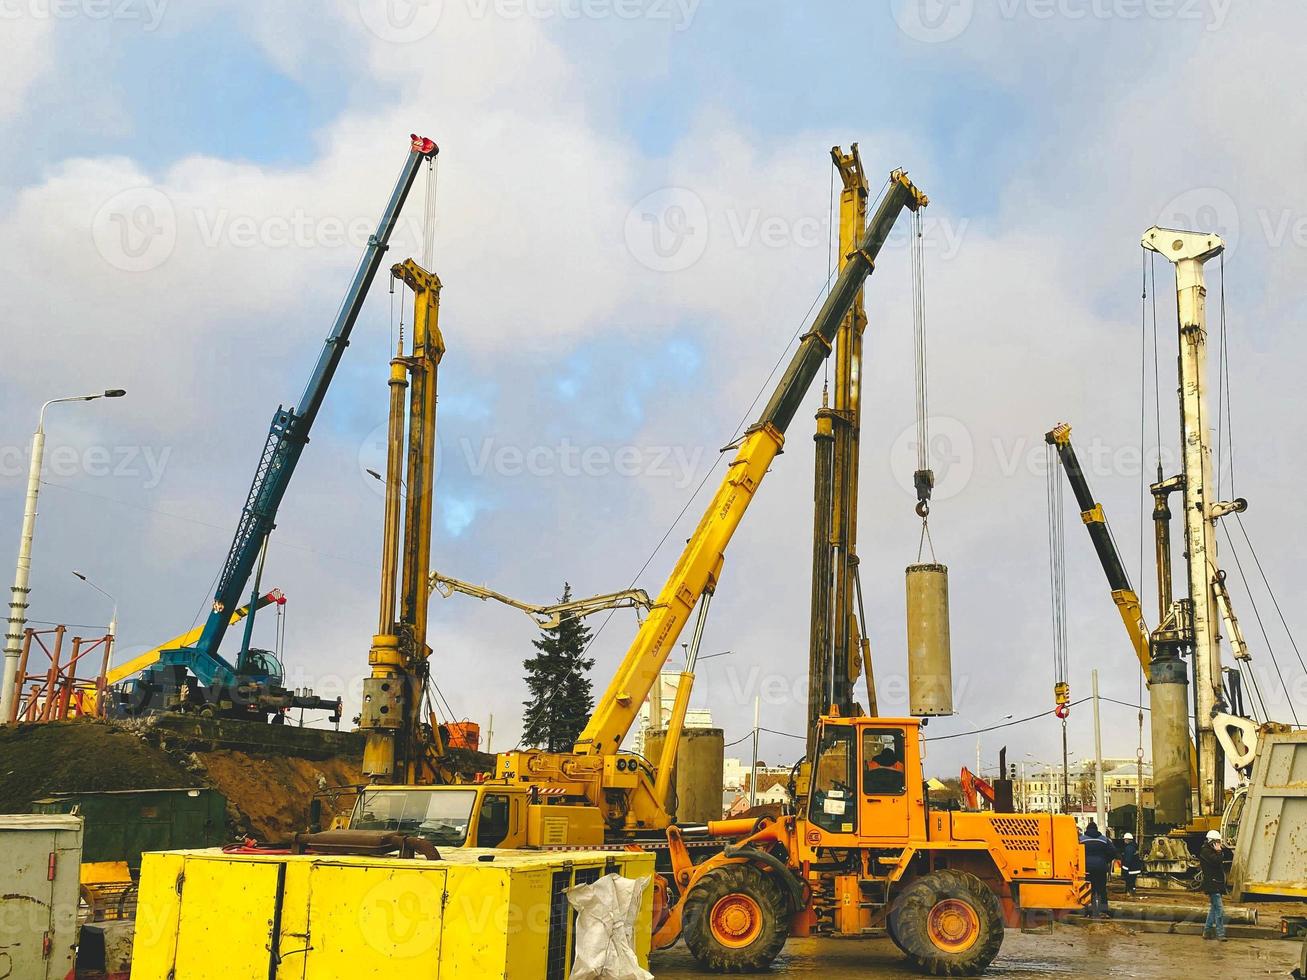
(974, 788)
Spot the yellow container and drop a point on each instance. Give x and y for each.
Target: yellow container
(475, 913)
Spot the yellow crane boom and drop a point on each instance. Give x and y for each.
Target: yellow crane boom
(624, 792)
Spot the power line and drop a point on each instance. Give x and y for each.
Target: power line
(1007, 724)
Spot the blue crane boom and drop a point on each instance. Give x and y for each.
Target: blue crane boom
(287, 436)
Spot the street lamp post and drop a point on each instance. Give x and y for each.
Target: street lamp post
(22, 573)
(113, 621)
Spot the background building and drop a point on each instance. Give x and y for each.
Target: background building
(657, 718)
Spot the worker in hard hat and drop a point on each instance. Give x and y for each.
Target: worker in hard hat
(1099, 855)
(1211, 861)
(1131, 864)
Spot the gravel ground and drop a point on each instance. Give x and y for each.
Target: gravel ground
(1098, 950)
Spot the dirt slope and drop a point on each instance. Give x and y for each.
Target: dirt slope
(78, 756)
(268, 796)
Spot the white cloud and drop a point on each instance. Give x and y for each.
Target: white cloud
(27, 41)
(1033, 319)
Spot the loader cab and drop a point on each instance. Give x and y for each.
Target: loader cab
(866, 782)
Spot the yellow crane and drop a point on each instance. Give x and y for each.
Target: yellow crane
(622, 789)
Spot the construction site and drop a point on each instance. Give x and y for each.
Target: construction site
(340, 764)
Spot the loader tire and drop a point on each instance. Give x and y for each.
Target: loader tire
(948, 923)
(894, 936)
(735, 920)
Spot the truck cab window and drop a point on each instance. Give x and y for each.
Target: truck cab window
(492, 824)
(883, 762)
(833, 806)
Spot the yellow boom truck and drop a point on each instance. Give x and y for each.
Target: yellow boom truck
(868, 852)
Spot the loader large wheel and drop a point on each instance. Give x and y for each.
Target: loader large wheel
(948, 923)
(734, 920)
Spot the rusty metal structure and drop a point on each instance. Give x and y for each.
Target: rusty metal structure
(50, 689)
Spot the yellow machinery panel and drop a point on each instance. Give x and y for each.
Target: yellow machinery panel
(364, 920)
(552, 826)
(233, 917)
(475, 913)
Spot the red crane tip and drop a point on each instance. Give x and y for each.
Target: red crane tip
(421, 144)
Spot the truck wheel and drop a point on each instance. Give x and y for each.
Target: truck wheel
(948, 923)
(734, 920)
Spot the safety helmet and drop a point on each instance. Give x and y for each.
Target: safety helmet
(1213, 835)
(1129, 836)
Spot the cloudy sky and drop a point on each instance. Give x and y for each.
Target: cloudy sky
(632, 208)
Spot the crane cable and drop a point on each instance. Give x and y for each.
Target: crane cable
(923, 479)
(429, 214)
(1225, 460)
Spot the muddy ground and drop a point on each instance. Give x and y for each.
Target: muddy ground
(1106, 950)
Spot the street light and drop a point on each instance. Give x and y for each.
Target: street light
(113, 622)
(382, 480)
(22, 573)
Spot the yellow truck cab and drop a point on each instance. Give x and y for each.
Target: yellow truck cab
(490, 814)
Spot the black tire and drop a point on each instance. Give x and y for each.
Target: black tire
(964, 900)
(714, 892)
(894, 936)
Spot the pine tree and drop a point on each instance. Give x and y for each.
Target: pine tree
(561, 693)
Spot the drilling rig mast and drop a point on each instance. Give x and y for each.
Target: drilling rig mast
(838, 647)
(1197, 618)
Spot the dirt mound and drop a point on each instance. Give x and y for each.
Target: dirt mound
(78, 757)
(269, 796)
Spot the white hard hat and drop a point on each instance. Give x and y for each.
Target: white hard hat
(1213, 835)
(1129, 836)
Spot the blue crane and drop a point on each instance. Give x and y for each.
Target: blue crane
(198, 676)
